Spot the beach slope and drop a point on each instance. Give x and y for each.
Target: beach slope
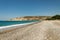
(45, 30)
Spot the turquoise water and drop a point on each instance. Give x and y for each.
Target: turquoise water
(6, 23)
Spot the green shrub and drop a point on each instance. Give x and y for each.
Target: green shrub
(56, 17)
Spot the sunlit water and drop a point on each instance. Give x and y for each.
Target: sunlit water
(6, 23)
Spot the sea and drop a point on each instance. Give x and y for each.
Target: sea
(7, 23)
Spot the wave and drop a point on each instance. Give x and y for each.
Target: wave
(4, 28)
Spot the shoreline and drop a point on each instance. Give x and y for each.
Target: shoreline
(12, 27)
(36, 31)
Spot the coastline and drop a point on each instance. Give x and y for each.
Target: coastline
(12, 27)
(45, 30)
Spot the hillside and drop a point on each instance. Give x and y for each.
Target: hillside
(55, 17)
(29, 18)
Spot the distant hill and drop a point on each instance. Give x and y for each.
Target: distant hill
(29, 18)
(56, 17)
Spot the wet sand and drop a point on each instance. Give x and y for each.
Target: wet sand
(45, 30)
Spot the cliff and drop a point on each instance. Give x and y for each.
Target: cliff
(29, 18)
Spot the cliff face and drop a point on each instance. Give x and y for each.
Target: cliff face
(29, 18)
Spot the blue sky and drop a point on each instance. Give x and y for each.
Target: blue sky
(17, 8)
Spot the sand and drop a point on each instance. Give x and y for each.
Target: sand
(45, 30)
